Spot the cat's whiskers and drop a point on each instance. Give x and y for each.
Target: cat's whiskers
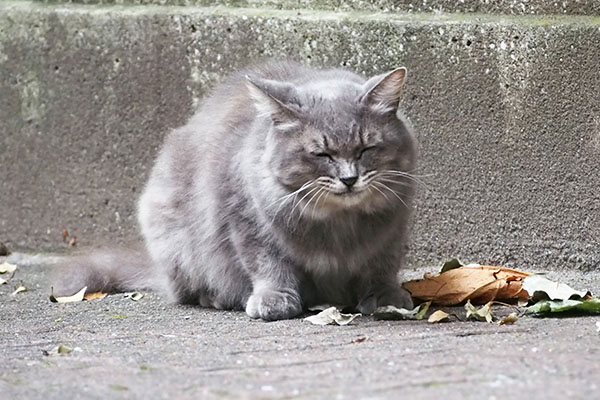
(317, 193)
(287, 196)
(383, 185)
(379, 190)
(325, 191)
(396, 181)
(413, 178)
(284, 199)
(300, 201)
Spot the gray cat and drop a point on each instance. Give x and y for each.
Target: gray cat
(290, 187)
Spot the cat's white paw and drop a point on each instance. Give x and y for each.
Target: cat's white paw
(272, 305)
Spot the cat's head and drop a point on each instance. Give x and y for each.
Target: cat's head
(338, 142)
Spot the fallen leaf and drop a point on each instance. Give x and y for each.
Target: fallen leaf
(61, 349)
(439, 316)
(135, 296)
(3, 281)
(73, 241)
(331, 316)
(7, 267)
(548, 307)
(539, 287)
(360, 339)
(478, 283)
(320, 307)
(395, 313)
(68, 299)
(522, 303)
(94, 295)
(452, 264)
(119, 316)
(65, 235)
(509, 319)
(482, 314)
(20, 289)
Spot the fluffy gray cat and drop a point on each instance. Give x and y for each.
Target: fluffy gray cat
(290, 187)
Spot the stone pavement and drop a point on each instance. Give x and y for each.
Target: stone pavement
(154, 350)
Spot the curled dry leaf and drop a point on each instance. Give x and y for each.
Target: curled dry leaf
(7, 267)
(68, 299)
(539, 287)
(395, 313)
(94, 296)
(509, 319)
(478, 283)
(135, 296)
(20, 289)
(482, 314)
(331, 316)
(61, 349)
(360, 339)
(439, 316)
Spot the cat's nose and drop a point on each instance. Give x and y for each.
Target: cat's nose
(349, 180)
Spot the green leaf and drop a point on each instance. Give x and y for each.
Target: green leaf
(482, 314)
(395, 313)
(451, 264)
(331, 316)
(540, 288)
(591, 306)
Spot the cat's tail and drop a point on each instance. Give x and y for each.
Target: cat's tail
(108, 271)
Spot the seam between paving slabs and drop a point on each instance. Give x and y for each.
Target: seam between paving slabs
(301, 14)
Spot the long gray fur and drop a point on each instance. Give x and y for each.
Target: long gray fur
(246, 207)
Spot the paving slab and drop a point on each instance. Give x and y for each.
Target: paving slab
(152, 349)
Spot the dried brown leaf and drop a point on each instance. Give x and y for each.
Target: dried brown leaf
(94, 295)
(478, 283)
(509, 319)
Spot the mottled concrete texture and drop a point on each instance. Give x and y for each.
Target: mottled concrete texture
(153, 350)
(507, 110)
(524, 7)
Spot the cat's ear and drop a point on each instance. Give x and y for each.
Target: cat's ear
(383, 92)
(273, 98)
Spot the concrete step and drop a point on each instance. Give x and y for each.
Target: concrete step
(507, 109)
(517, 7)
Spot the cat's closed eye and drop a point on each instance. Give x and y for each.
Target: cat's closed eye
(363, 151)
(323, 155)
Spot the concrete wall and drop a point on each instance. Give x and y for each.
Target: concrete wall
(518, 7)
(507, 110)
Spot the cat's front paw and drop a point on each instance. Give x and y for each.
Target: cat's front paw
(272, 305)
(395, 296)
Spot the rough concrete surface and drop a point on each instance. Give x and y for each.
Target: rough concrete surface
(519, 7)
(507, 110)
(150, 349)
